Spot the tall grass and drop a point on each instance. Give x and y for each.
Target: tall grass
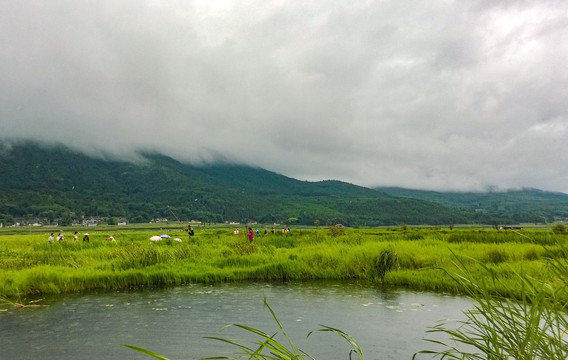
(534, 326)
(30, 265)
(386, 262)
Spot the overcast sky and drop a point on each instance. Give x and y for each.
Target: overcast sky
(442, 95)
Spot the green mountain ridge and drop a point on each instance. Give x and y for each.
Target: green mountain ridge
(55, 184)
(524, 205)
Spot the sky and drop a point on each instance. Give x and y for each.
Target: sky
(440, 95)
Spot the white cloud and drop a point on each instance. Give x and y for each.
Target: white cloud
(439, 95)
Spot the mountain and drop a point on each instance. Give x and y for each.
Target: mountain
(55, 184)
(512, 206)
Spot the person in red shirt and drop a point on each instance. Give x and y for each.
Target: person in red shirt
(251, 235)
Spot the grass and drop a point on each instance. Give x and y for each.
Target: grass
(30, 265)
(499, 328)
(386, 262)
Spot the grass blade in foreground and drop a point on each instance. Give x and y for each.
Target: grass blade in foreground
(276, 349)
(146, 352)
(354, 344)
(533, 327)
(266, 343)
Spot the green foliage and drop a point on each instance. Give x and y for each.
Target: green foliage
(499, 237)
(387, 261)
(495, 207)
(31, 265)
(495, 256)
(283, 241)
(336, 230)
(559, 228)
(244, 247)
(415, 235)
(146, 352)
(58, 185)
(531, 327)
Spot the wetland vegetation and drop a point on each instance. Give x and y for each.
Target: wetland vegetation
(31, 265)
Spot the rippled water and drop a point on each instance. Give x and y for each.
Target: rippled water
(387, 324)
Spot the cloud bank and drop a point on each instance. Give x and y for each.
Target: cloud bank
(443, 95)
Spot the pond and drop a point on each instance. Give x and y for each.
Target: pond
(388, 324)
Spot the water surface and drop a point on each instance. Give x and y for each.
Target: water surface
(387, 324)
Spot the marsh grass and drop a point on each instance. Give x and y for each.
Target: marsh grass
(499, 237)
(30, 265)
(386, 262)
(496, 256)
(532, 326)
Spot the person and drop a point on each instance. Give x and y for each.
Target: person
(257, 232)
(272, 231)
(251, 235)
(190, 231)
(110, 239)
(86, 237)
(50, 238)
(75, 237)
(60, 237)
(265, 231)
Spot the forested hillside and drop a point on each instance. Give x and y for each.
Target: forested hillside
(58, 185)
(513, 206)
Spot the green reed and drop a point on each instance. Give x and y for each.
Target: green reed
(532, 326)
(30, 265)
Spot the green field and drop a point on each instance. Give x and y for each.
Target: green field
(31, 266)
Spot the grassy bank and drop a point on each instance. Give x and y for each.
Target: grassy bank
(30, 265)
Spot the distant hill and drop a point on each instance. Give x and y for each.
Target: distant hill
(513, 206)
(56, 184)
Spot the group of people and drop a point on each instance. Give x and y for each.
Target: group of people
(251, 232)
(190, 232)
(61, 237)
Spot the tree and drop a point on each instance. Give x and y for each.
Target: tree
(292, 220)
(65, 220)
(8, 219)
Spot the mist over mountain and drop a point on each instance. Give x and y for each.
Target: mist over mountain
(438, 95)
(58, 185)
